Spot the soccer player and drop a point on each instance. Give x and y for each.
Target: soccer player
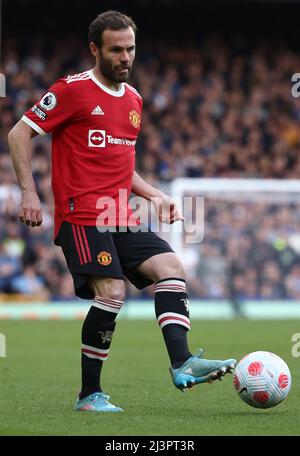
(95, 118)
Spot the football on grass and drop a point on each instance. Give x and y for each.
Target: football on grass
(262, 379)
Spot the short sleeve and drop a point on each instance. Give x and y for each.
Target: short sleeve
(53, 109)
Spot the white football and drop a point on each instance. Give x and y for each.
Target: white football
(262, 379)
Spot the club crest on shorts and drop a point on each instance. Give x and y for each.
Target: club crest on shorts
(104, 258)
(135, 118)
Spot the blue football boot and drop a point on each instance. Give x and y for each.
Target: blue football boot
(197, 370)
(96, 402)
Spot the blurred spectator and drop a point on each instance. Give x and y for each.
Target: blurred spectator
(29, 283)
(292, 282)
(65, 290)
(13, 244)
(10, 266)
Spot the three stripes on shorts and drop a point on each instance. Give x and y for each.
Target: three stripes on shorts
(82, 245)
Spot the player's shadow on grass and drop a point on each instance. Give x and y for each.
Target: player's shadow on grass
(250, 413)
(217, 413)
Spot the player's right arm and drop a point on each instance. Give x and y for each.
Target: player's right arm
(19, 140)
(55, 107)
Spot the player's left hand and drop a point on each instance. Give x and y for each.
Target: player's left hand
(166, 209)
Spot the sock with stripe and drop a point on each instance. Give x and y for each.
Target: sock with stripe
(96, 337)
(172, 313)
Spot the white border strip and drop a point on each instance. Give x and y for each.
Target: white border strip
(218, 185)
(144, 310)
(34, 126)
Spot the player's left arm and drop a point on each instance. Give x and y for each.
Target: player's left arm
(165, 207)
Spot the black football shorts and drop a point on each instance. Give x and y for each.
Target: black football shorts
(89, 252)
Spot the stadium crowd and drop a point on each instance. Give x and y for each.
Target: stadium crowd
(216, 109)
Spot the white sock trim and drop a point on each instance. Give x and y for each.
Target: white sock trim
(172, 285)
(93, 352)
(110, 305)
(169, 318)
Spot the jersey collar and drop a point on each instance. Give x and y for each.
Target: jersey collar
(114, 93)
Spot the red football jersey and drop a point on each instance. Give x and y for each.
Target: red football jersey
(94, 131)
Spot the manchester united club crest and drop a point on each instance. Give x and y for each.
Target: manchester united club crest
(135, 118)
(104, 258)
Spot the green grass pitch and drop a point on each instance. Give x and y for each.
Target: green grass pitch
(40, 378)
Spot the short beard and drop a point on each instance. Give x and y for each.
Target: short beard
(109, 73)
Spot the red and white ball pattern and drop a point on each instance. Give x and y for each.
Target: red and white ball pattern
(262, 379)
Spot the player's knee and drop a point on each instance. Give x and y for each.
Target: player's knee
(171, 267)
(114, 289)
(109, 288)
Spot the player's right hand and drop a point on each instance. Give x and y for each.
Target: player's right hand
(31, 209)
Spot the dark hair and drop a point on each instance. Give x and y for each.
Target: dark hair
(110, 20)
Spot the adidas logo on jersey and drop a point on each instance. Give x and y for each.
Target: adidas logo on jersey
(97, 111)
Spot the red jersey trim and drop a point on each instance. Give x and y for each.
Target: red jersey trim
(33, 125)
